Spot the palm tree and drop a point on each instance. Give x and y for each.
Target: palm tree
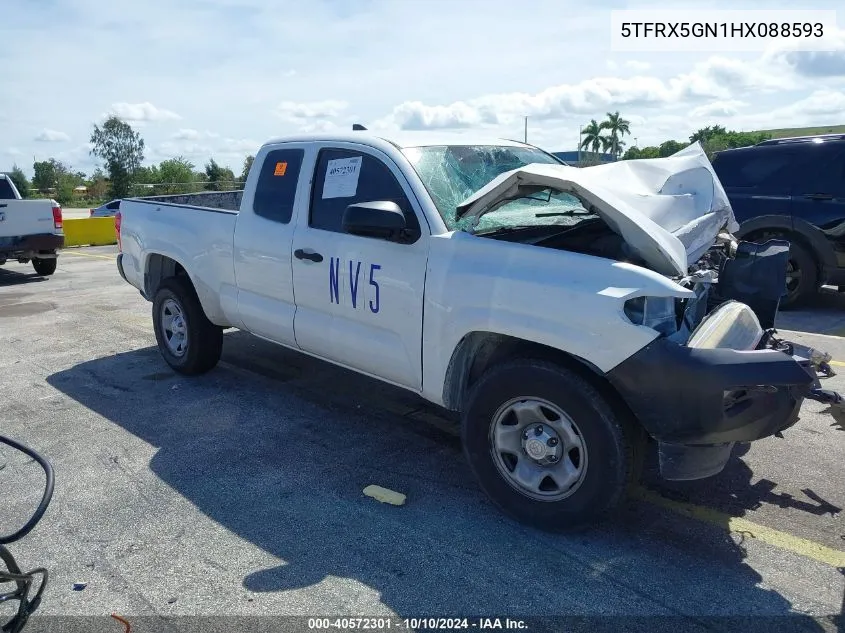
(592, 136)
(618, 128)
(706, 133)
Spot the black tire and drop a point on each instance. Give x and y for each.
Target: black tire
(204, 339)
(45, 267)
(609, 441)
(805, 282)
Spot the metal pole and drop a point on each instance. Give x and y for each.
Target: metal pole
(579, 144)
(526, 130)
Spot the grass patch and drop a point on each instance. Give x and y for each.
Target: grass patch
(804, 131)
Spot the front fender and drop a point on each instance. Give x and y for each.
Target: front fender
(567, 301)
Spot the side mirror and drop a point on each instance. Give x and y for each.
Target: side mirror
(381, 219)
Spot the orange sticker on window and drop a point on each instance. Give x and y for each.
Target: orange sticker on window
(280, 170)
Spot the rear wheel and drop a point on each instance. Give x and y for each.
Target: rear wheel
(45, 267)
(188, 341)
(545, 445)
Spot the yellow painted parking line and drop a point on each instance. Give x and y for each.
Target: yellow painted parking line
(64, 252)
(838, 363)
(771, 536)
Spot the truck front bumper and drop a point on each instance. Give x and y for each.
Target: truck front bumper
(697, 403)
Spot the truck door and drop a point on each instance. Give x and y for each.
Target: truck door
(262, 242)
(359, 300)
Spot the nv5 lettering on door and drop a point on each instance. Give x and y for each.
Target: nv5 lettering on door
(368, 298)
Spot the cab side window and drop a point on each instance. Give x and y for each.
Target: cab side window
(345, 177)
(276, 188)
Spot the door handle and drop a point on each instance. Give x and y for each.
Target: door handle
(301, 254)
(3, 205)
(819, 196)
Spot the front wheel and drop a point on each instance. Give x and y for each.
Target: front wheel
(45, 267)
(188, 341)
(545, 445)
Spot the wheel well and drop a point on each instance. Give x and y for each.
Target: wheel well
(479, 351)
(159, 268)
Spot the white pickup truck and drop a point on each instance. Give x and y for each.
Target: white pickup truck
(30, 230)
(568, 314)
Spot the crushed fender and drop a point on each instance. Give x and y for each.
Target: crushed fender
(384, 495)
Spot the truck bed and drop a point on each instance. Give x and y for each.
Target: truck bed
(218, 200)
(197, 236)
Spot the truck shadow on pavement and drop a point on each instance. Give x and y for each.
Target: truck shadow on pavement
(280, 460)
(17, 277)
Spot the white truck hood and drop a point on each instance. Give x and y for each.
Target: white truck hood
(669, 210)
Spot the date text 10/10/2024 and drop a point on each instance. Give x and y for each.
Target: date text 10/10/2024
(416, 624)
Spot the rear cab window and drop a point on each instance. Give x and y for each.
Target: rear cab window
(275, 190)
(6, 191)
(356, 177)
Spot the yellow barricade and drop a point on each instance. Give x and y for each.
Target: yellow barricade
(90, 232)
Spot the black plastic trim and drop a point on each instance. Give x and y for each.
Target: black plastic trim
(678, 393)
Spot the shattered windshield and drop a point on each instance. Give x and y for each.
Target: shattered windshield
(452, 173)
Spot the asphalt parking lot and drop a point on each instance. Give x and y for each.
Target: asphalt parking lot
(240, 492)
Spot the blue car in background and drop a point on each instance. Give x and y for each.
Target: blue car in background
(793, 189)
(106, 210)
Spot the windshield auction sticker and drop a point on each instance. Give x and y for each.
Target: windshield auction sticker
(342, 178)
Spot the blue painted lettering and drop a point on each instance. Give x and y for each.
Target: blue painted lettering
(334, 274)
(353, 285)
(374, 304)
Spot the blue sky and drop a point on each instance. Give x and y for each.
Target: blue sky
(203, 78)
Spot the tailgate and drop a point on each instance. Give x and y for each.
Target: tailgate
(26, 217)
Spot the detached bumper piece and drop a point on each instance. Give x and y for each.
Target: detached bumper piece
(697, 403)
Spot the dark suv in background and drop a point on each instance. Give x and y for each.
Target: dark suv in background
(793, 189)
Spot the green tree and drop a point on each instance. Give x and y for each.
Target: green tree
(218, 178)
(706, 133)
(122, 150)
(213, 175)
(67, 181)
(592, 139)
(618, 128)
(97, 185)
(667, 148)
(21, 181)
(176, 174)
(46, 175)
(245, 171)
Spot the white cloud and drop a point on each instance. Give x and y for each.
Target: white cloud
(142, 112)
(51, 136)
(298, 112)
(715, 78)
(813, 64)
(394, 60)
(189, 134)
(721, 108)
(637, 66)
(821, 103)
(13, 151)
(239, 146)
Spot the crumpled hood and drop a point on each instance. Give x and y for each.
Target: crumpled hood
(669, 210)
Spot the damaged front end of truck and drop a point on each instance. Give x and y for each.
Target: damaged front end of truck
(717, 373)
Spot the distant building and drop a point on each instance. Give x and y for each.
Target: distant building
(579, 159)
